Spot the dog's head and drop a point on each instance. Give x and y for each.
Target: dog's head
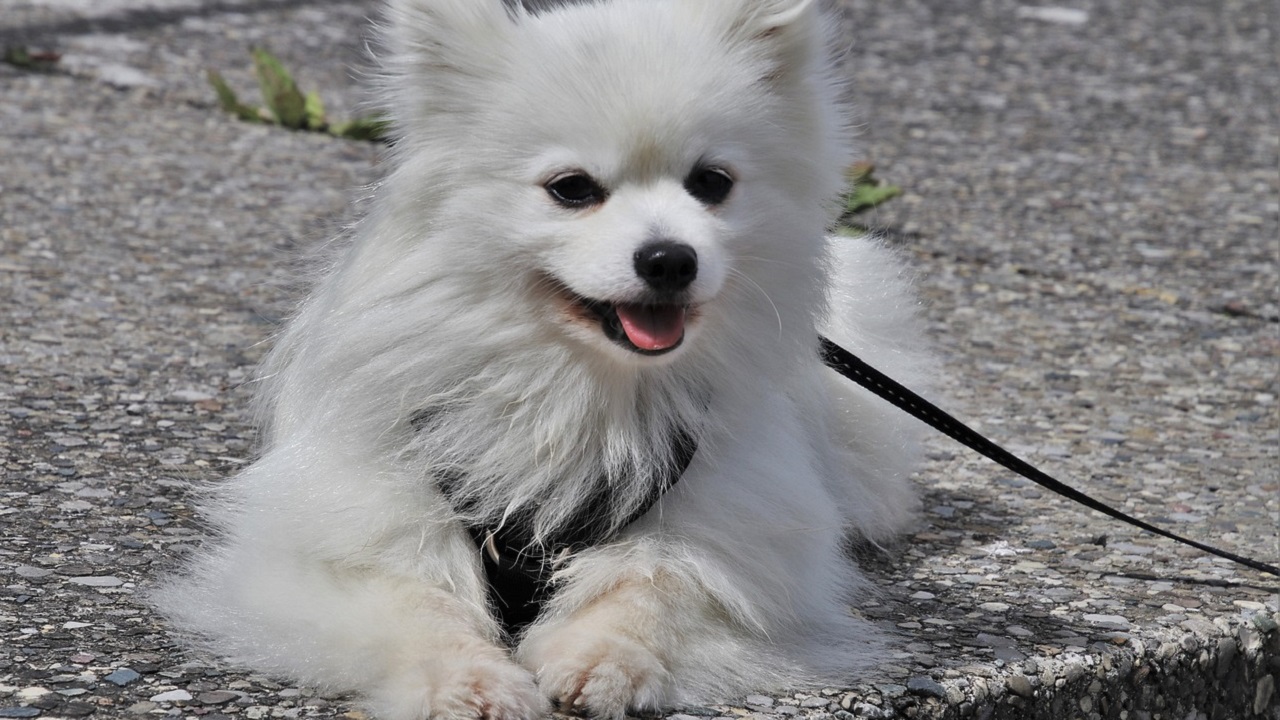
(638, 173)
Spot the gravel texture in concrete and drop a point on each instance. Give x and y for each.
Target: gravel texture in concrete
(1092, 204)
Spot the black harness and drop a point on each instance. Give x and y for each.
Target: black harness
(519, 573)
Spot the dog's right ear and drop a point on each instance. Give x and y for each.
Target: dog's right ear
(435, 51)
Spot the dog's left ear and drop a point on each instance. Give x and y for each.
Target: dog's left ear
(789, 31)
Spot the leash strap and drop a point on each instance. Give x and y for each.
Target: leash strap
(853, 368)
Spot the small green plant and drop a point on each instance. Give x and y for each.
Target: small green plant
(23, 57)
(286, 105)
(863, 192)
(865, 189)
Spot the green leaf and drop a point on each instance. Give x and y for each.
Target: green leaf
(226, 96)
(373, 127)
(865, 190)
(228, 100)
(847, 229)
(279, 91)
(865, 197)
(315, 111)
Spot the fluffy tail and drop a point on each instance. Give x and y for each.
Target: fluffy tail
(873, 312)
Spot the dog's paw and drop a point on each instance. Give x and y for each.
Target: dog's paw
(601, 676)
(480, 687)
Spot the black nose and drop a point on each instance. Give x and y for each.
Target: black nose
(667, 266)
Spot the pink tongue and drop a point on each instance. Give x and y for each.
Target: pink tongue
(650, 327)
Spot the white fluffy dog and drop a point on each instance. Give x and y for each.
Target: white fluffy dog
(602, 243)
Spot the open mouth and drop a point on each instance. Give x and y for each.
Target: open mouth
(644, 328)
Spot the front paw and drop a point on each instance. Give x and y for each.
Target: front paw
(601, 675)
(484, 686)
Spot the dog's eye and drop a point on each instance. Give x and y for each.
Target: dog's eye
(709, 185)
(576, 190)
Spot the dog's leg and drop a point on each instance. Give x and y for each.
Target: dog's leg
(414, 649)
(603, 659)
(710, 598)
(448, 671)
(458, 677)
(350, 583)
(646, 638)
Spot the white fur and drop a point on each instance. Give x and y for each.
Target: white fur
(438, 345)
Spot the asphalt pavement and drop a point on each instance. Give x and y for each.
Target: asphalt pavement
(1092, 205)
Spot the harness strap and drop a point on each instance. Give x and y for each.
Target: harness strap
(853, 368)
(519, 571)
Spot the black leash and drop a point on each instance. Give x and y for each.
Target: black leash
(852, 367)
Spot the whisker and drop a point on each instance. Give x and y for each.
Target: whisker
(739, 274)
(758, 258)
